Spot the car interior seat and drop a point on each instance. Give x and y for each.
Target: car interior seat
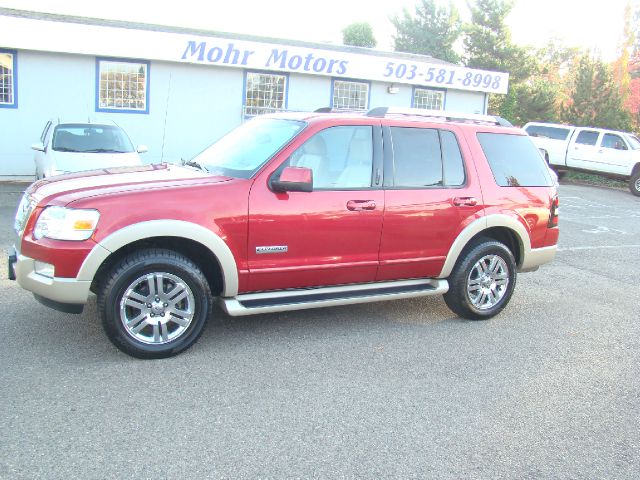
(357, 172)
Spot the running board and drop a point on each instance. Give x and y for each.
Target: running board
(286, 300)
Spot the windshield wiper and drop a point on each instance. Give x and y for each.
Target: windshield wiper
(194, 164)
(65, 149)
(104, 150)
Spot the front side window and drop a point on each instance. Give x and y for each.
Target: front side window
(609, 140)
(43, 135)
(264, 93)
(340, 157)
(122, 86)
(587, 137)
(428, 98)
(244, 150)
(514, 160)
(349, 95)
(8, 79)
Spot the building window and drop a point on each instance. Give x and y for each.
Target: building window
(264, 93)
(8, 96)
(123, 86)
(349, 95)
(428, 98)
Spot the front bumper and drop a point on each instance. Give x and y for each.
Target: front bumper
(68, 295)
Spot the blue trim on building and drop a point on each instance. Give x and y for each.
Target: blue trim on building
(264, 72)
(14, 53)
(123, 110)
(421, 87)
(354, 80)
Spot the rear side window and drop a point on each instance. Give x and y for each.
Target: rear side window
(554, 133)
(587, 137)
(426, 157)
(514, 160)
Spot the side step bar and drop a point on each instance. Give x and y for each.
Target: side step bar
(285, 300)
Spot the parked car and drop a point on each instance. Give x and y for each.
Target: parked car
(595, 150)
(74, 147)
(293, 211)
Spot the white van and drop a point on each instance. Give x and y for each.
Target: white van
(595, 150)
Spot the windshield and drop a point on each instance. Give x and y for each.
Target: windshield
(87, 138)
(634, 142)
(244, 150)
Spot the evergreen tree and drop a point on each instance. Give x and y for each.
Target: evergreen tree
(359, 35)
(594, 98)
(433, 30)
(532, 101)
(487, 41)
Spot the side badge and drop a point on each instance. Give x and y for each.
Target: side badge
(272, 249)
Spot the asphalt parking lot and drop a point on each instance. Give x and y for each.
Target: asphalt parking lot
(548, 389)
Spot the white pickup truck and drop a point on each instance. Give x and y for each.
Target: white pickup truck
(594, 150)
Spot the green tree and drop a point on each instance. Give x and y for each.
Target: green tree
(487, 41)
(359, 34)
(594, 98)
(535, 100)
(432, 30)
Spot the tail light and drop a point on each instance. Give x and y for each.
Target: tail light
(554, 211)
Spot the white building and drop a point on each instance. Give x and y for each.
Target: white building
(177, 89)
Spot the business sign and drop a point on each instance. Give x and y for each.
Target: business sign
(334, 63)
(54, 36)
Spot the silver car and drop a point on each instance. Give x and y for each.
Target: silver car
(74, 147)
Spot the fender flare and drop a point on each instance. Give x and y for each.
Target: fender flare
(165, 228)
(478, 226)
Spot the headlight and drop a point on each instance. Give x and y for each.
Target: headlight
(60, 223)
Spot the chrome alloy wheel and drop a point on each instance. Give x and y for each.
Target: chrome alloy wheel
(636, 184)
(487, 282)
(157, 308)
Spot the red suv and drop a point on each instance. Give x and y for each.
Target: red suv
(293, 211)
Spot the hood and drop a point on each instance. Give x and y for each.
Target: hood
(79, 161)
(112, 180)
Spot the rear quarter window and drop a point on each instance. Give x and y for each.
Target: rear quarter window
(514, 160)
(554, 133)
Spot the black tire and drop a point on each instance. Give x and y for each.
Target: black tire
(634, 182)
(179, 298)
(466, 273)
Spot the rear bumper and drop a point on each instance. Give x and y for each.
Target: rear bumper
(536, 257)
(65, 294)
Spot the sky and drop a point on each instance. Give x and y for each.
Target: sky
(592, 24)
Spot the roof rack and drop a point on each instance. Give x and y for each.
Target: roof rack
(338, 110)
(440, 115)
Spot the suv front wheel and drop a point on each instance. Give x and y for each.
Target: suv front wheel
(482, 281)
(634, 182)
(154, 303)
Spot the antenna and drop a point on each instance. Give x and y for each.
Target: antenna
(166, 114)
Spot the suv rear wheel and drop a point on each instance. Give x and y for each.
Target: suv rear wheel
(154, 303)
(482, 281)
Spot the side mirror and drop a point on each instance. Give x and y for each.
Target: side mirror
(142, 149)
(38, 147)
(294, 179)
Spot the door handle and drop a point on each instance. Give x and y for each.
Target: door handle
(357, 205)
(465, 201)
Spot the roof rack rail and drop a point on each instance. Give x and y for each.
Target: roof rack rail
(439, 114)
(339, 110)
